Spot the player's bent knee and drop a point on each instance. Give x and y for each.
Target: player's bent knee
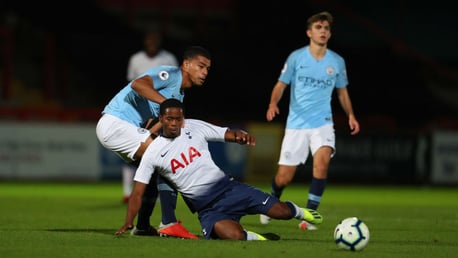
(229, 229)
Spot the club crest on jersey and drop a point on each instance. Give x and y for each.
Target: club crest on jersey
(184, 159)
(284, 68)
(163, 75)
(142, 130)
(287, 155)
(330, 70)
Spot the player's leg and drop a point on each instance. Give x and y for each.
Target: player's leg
(322, 144)
(321, 160)
(168, 197)
(143, 226)
(128, 172)
(126, 140)
(288, 210)
(232, 230)
(284, 176)
(229, 229)
(291, 155)
(169, 225)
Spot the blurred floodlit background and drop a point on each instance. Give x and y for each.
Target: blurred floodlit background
(61, 62)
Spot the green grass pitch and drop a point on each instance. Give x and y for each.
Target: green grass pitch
(79, 220)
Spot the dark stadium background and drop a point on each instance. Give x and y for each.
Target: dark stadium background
(64, 60)
(401, 55)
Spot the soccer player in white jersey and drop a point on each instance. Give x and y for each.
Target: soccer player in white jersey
(122, 127)
(180, 153)
(152, 54)
(313, 72)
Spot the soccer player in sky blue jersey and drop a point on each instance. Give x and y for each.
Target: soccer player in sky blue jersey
(151, 55)
(123, 127)
(312, 72)
(180, 153)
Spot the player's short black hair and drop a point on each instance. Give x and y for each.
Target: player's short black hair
(170, 103)
(194, 51)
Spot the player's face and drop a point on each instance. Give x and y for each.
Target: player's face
(152, 43)
(172, 121)
(320, 32)
(197, 69)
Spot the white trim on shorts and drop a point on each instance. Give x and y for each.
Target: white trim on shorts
(297, 143)
(120, 136)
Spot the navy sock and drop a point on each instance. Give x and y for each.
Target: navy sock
(168, 198)
(316, 190)
(293, 209)
(276, 190)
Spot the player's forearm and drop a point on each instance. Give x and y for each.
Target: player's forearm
(144, 86)
(277, 93)
(135, 201)
(345, 103)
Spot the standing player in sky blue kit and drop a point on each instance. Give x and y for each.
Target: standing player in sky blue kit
(122, 128)
(180, 154)
(152, 54)
(313, 72)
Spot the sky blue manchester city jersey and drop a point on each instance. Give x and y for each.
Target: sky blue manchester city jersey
(312, 83)
(128, 105)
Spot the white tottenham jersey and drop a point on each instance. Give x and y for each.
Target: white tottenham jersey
(187, 163)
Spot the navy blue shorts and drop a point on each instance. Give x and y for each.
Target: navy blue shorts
(240, 200)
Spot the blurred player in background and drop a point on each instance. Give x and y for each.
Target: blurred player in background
(313, 72)
(185, 160)
(122, 128)
(150, 56)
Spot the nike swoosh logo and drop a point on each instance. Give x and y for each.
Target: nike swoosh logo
(163, 154)
(265, 201)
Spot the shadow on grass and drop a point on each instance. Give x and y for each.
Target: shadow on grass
(85, 230)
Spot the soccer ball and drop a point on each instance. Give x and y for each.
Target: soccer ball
(351, 234)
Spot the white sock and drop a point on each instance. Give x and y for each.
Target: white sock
(250, 235)
(128, 173)
(299, 212)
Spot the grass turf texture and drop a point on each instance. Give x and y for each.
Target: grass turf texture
(79, 220)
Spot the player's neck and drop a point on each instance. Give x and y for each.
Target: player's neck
(185, 81)
(317, 51)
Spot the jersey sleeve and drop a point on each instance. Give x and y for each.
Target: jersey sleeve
(210, 131)
(342, 79)
(287, 72)
(146, 167)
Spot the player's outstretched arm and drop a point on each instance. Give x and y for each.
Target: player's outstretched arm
(277, 93)
(135, 201)
(240, 137)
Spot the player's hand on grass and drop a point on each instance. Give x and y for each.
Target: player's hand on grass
(123, 229)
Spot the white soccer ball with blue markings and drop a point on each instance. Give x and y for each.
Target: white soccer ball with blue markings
(351, 234)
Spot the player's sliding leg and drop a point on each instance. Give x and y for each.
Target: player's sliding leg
(250, 235)
(228, 229)
(288, 210)
(275, 191)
